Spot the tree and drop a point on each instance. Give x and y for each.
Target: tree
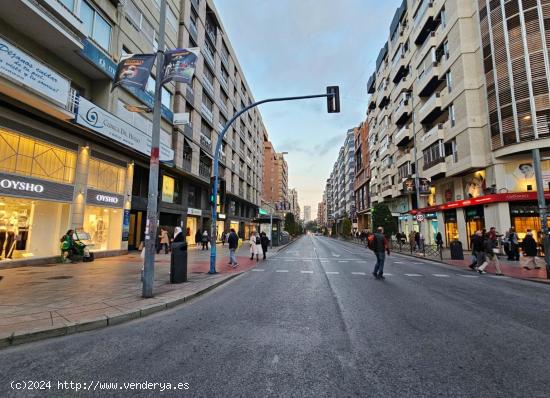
(290, 224)
(346, 226)
(382, 217)
(311, 226)
(333, 230)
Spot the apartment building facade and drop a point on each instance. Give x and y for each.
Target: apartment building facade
(63, 162)
(321, 214)
(275, 179)
(307, 213)
(362, 176)
(429, 114)
(294, 205)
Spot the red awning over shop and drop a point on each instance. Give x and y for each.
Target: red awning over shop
(481, 200)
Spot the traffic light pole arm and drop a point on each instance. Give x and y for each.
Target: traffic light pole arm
(213, 235)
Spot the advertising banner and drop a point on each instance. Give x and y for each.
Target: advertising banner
(179, 65)
(23, 69)
(134, 70)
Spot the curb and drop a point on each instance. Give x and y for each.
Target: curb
(36, 335)
(540, 281)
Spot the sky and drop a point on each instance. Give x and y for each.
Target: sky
(298, 47)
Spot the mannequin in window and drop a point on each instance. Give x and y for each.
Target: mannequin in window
(3, 230)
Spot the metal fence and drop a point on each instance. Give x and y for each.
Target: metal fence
(421, 250)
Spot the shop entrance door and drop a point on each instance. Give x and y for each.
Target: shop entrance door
(137, 225)
(471, 227)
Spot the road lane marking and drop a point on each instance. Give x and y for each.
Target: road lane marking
(332, 273)
(258, 270)
(358, 273)
(468, 276)
(342, 261)
(413, 275)
(306, 272)
(398, 262)
(335, 255)
(388, 274)
(441, 275)
(281, 270)
(498, 276)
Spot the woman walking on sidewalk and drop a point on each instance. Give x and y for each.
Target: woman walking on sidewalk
(490, 257)
(530, 251)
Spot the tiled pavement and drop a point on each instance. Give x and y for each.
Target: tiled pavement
(63, 298)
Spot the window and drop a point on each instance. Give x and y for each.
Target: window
(446, 49)
(209, 75)
(450, 150)
(95, 26)
(24, 155)
(452, 115)
(136, 18)
(433, 154)
(69, 4)
(449, 79)
(106, 176)
(166, 98)
(207, 102)
(172, 19)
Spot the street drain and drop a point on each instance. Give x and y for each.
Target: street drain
(60, 277)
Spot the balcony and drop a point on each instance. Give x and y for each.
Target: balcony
(225, 58)
(206, 143)
(435, 133)
(434, 168)
(207, 84)
(386, 190)
(188, 130)
(430, 110)
(223, 107)
(187, 161)
(224, 83)
(209, 57)
(403, 157)
(403, 110)
(424, 21)
(207, 113)
(204, 170)
(220, 127)
(195, 4)
(403, 136)
(428, 79)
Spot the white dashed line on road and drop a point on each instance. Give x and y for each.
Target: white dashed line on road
(468, 276)
(413, 275)
(398, 262)
(388, 274)
(358, 273)
(342, 261)
(332, 273)
(498, 276)
(306, 272)
(258, 270)
(441, 275)
(281, 270)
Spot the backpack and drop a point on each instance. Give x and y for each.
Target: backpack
(371, 242)
(258, 240)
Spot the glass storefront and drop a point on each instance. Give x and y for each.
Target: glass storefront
(524, 216)
(192, 226)
(31, 228)
(103, 227)
(220, 227)
(451, 226)
(475, 221)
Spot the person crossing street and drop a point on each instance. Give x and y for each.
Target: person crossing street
(379, 244)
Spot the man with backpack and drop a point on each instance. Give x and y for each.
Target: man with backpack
(378, 243)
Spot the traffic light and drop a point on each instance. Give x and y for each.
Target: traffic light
(221, 191)
(333, 99)
(211, 199)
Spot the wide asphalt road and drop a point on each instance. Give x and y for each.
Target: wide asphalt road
(312, 321)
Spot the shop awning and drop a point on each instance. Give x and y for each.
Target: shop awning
(482, 200)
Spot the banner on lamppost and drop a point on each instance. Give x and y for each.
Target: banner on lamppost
(179, 65)
(134, 70)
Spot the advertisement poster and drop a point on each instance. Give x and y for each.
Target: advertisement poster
(521, 174)
(126, 225)
(179, 65)
(134, 70)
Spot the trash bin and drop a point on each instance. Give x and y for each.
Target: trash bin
(456, 250)
(178, 263)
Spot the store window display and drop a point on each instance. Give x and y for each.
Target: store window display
(104, 228)
(30, 228)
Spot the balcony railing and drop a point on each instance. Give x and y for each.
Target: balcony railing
(206, 143)
(72, 103)
(204, 170)
(189, 95)
(207, 113)
(222, 107)
(208, 85)
(193, 29)
(432, 132)
(195, 4)
(208, 57)
(426, 4)
(187, 161)
(241, 192)
(428, 106)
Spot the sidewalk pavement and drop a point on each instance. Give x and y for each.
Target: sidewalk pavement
(509, 268)
(38, 302)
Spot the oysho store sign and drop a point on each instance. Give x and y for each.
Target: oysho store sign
(107, 199)
(23, 69)
(34, 188)
(108, 125)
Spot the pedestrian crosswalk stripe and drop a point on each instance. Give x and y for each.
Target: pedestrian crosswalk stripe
(332, 273)
(441, 275)
(306, 272)
(413, 275)
(468, 276)
(258, 269)
(388, 274)
(398, 262)
(358, 273)
(498, 276)
(281, 270)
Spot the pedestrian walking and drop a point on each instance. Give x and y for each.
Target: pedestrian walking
(264, 242)
(412, 241)
(530, 251)
(204, 240)
(178, 235)
(439, 241)
(379, 244)
(255, 246)
(224, 236)
(164, 241)
(490, 256)
(198, 238)
(478, 251)
(514, 245)
(233, 243)
(417, 240)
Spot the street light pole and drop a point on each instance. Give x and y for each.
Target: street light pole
(542, 209)
(152, 215)
(217, 156)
